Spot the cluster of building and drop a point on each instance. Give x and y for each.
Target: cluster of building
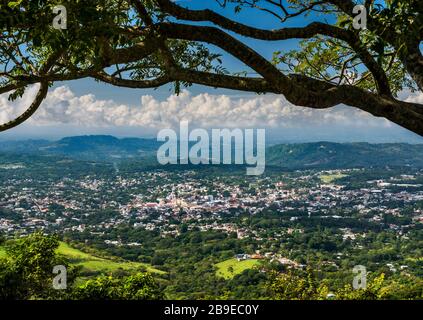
(161, 201)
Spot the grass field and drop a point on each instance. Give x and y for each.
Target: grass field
(329, 178)
(93, 264)
(223, 268)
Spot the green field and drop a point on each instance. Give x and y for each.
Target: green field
(329, 178)
(223, 268)
(93, 264)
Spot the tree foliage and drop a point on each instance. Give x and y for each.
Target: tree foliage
(27, 273)
(304, 286)
(291, 286)
(136, 287)
(150, 43)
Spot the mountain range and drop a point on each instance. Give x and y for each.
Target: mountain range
(304, 155)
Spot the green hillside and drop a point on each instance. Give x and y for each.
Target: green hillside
(95, 265)
(2, 253)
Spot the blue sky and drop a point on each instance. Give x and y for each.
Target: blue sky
(88, 107)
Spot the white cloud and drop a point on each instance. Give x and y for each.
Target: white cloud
(205, 110)
(416, 97)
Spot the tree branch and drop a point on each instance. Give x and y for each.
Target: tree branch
(42, 93)
(308, 31)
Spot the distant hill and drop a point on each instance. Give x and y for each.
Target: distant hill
(23, 146)
(93, 148)
(344, 155)
(291, 156)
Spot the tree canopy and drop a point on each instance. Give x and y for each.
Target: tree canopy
(27, 273)
(150, 43)
(289, 286)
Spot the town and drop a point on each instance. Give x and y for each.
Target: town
(168, 203)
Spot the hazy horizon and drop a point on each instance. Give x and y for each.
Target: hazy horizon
(271, 137)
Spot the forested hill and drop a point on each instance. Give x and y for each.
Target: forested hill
(344, 155)
(291, 156)
(92, 148)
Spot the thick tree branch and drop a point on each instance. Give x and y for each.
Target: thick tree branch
(135, 84)
(42, 93)
(308, 31)
(158, 51)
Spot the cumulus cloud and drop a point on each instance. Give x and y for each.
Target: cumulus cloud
(416, 97)
(204, 110)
